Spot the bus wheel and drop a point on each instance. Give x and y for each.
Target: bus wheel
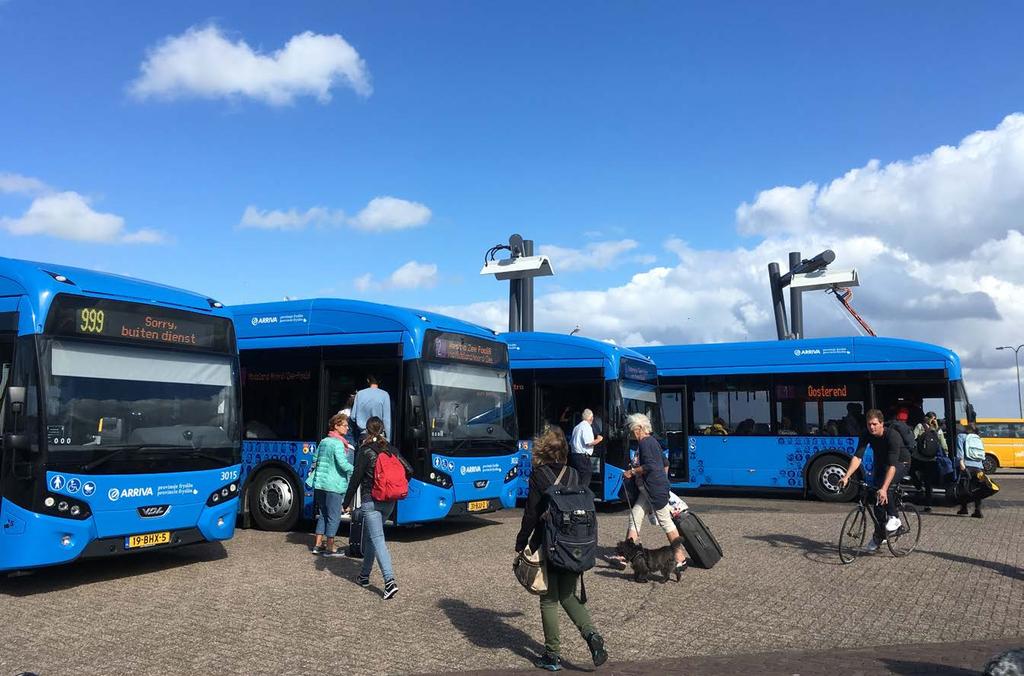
(274, 500)
(990, 464)
(824, 478)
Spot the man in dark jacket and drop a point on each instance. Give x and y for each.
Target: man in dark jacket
(891, 458)
(647, 487)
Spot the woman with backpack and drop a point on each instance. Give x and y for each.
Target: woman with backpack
(331, 470)
(382, 475)
(930, 441)
(970, 453)
(550, 452)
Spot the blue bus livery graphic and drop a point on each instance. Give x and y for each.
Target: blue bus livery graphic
(555, 377)
(789, 414)
(451, 408)
(120, 424)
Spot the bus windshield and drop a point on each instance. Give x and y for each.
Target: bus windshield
(638, 397)
(467, 402)
(107, 396)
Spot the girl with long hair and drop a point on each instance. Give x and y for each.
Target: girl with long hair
(374, 513)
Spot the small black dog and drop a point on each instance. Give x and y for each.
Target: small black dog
(646, 561)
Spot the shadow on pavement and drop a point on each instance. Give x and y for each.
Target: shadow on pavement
(1012, 572)
(820, 552)
(486, 628)
(88, 571)
(908, 668)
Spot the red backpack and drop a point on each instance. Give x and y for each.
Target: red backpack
(389, 482)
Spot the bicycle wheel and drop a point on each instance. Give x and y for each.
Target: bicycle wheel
(905, 539)
(851, 538)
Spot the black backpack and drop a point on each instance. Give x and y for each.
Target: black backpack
(570, 523)
(928, 444)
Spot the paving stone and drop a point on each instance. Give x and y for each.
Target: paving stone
(779, 602)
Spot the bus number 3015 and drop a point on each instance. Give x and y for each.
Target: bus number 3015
(231, 475)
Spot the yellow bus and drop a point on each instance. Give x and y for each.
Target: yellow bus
(1004, 442)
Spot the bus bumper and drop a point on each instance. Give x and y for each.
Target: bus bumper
(31, 540)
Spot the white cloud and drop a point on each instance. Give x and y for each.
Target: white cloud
(414, 275)
(25, 185)
(411, 275)
(938, 242)
(591, 256)
(205, 63)
(363, 282)
(68, 215)
(291, 219)
(145, 236)
(940, 204)
(391, 213)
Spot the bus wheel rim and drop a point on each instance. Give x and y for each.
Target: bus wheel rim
(830, 476)
(276, 497)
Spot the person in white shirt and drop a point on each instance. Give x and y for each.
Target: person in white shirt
(581, 446)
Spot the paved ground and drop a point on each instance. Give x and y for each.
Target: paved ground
(262, 604)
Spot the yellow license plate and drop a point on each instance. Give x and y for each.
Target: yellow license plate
(478, 505)
(147, 540)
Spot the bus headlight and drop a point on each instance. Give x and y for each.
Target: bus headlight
(512, 473)
(222, 494)
(65, 507)
(439, 478)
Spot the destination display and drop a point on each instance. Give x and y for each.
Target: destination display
(137, 323)
(639, 371)
(467, 349)
(818, 391)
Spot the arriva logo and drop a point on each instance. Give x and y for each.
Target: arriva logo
(114, 494)
(259, 321)
(801, 353)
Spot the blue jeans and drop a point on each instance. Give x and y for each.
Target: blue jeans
(328, 509)
(374, 515)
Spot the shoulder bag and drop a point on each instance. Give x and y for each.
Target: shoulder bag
(531, 571)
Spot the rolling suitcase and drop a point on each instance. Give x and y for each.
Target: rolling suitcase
(355, 530)
(701, 546)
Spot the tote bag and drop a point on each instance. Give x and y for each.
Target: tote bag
(531, 571)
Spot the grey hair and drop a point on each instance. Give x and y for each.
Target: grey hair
(587, 414)
(639, 420)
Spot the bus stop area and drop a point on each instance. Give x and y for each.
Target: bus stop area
(779, 602)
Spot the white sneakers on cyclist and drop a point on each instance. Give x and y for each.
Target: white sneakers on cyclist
(893, 524)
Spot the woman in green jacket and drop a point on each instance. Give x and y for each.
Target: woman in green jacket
(331, 472)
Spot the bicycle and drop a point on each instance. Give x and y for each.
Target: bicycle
(901, 542)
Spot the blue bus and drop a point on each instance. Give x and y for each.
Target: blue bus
(556, 376)
(787, 414)
(120, 416)
(452, 413)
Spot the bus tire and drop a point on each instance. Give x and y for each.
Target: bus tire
(275, 500)
(990, 465)
(823, 479)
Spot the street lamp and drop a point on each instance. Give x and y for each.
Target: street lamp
(1016, 352)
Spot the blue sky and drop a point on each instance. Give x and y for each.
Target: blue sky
(623, 125)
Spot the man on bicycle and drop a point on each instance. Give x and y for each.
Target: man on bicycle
(891, 460)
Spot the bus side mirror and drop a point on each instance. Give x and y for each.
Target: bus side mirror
(16, 396)
(972, 417)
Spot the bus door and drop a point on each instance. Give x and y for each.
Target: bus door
(917, 397)
(673, 420)
(561, 396)
(8, 329)
(345, 377)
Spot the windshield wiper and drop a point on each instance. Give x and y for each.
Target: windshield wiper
(206, 456)
(459, 444)
(118, 451)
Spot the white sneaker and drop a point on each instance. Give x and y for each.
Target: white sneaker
(893, 524)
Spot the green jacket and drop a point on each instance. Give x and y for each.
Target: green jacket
(333, 468)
